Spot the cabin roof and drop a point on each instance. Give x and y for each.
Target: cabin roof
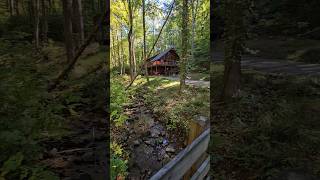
(160, 55)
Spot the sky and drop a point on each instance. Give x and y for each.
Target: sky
(163, 4)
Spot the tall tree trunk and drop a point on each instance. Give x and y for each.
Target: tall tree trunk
(44, 21)
(11, 7)
(134, 60)
(113, 51)
(144, 40)
(67, 12)
(16, 6)
(36, 10)
(194, 14)
(184, 44)
(113, 56)
(93, 7)
(123, 55)
(118, 53)
(234, 39)
(103, 32)
(130, 41)
(78, 27)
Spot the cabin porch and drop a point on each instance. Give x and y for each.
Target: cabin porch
(163, 70)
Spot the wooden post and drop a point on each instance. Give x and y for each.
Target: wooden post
(196, 127)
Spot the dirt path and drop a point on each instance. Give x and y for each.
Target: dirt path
(196, 83)
(81, 155)
(150, 145)
(276, 66)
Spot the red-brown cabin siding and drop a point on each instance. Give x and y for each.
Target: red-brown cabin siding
(165, 63)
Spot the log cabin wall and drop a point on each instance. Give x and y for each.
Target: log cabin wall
(164, 63)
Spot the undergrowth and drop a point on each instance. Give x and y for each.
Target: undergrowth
(173, 108)
(119, 97)
(30, 114)
(274, 125)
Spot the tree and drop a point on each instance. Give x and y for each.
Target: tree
(16, 6)
(67, 12)
(144, 38)
(11, 7)
(194, 8)
(36, 9)
(78, 27)
(131, 41)
(184, 44)
(234, 42)
(44, 19)
(118, 53)
(122, 71)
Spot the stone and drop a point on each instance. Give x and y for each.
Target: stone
(87, 157)
(155, 132)
(136, 142)
(202, 120)
(170, 149)
(165, 142)
(149, 142)
(53, 151)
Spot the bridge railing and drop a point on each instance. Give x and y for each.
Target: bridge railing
(177, 168)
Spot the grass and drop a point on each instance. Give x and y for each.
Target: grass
(174, 109)
(274, 125)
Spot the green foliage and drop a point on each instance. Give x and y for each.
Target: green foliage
(17, 28)
(26, 107)
(14, 169)
(55, 27)
(118, 164)
(272, 126)
(118, 167)
(41, 173)
(12, 164)
(118, 97)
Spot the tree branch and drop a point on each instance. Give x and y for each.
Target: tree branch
(154, 44)
(64, 74)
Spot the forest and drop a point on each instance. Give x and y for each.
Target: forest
(52, 92)
(159, 81)
(264, 86)
(159, 89)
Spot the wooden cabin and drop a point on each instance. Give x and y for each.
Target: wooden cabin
(165, 63)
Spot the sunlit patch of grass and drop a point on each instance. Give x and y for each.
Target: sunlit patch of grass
(86, 64)
(171, 84)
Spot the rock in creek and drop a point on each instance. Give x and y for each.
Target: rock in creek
(136, 142)
(88, 157)
(170, 149)
(150, 142)
(53, 152)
